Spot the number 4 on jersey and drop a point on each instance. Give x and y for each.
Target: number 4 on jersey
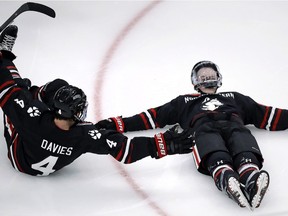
(20, 102)
(45, 166)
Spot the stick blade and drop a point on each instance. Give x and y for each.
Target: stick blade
(29, 6)
(32, 6)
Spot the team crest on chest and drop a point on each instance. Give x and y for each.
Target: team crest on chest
(211, 104)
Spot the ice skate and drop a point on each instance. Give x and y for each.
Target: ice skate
(256, 189)
(8, 37)
(235, 193)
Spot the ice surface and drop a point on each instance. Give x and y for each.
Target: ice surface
(132, 55)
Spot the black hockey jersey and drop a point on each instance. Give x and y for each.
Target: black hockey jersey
(187, 110)
(36, 146)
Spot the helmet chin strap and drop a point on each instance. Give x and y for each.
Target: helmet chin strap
(201, 92)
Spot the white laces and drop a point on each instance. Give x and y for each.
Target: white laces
(7, 43)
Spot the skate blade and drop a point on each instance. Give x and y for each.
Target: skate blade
(262, 184)
(238, 195)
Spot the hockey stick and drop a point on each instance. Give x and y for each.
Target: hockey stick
(29, 6)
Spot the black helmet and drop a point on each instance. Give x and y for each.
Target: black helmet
(70, 102)
(208, 83)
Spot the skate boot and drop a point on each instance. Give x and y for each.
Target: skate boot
(234, 192)
(226, 180)
(256, 187)
(8, 37)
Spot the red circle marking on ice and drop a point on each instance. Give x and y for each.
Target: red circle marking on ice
(97, 100)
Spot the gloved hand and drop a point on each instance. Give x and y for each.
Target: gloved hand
(23, 83)
(114, 123)
(174, 142)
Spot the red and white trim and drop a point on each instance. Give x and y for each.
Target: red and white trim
(119, 124)
(150, 119)
(126, 151)
(13, 147)
(270, 118)
(160, 145)
(196, 156)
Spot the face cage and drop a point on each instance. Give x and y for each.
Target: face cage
(208, 83)
(81, 116)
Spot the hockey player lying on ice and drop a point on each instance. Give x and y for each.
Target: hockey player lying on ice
(224, 148)
(46, 134)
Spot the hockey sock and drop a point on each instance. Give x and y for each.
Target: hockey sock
(221, 174)
(247, 166)
(247, 173)
(219, 165)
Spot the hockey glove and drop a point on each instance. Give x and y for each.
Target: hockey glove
(114, 123)
(172, 142)
(23, 83)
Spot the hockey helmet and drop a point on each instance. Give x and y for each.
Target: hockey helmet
(70, 102)
(208, 80)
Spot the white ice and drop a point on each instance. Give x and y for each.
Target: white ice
(128, 60)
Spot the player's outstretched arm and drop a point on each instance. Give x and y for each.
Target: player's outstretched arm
(129, 151)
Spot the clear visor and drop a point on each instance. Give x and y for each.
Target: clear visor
(207, 78)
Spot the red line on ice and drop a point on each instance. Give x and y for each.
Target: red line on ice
(100, 81)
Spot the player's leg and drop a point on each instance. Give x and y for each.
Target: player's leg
(254, 181)
(248, 162)
(220, 166)
(7, 41)
(212, 158)
(8, 37)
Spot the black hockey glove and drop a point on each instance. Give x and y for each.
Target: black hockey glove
(23, 83)
(172, 142)
(114, 123)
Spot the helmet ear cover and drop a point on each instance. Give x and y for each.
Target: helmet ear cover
(62, 110)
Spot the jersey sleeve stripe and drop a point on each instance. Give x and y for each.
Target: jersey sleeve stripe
(154, 114)
(278, 114)
(270, 118)
(150, 119)
(15, 74)
(129, 159)
(126, 150)
(6, 85)
(153, 111)
(262, 125)
(5, 95)
(119, 155)
(11, 67)
(144, 121)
